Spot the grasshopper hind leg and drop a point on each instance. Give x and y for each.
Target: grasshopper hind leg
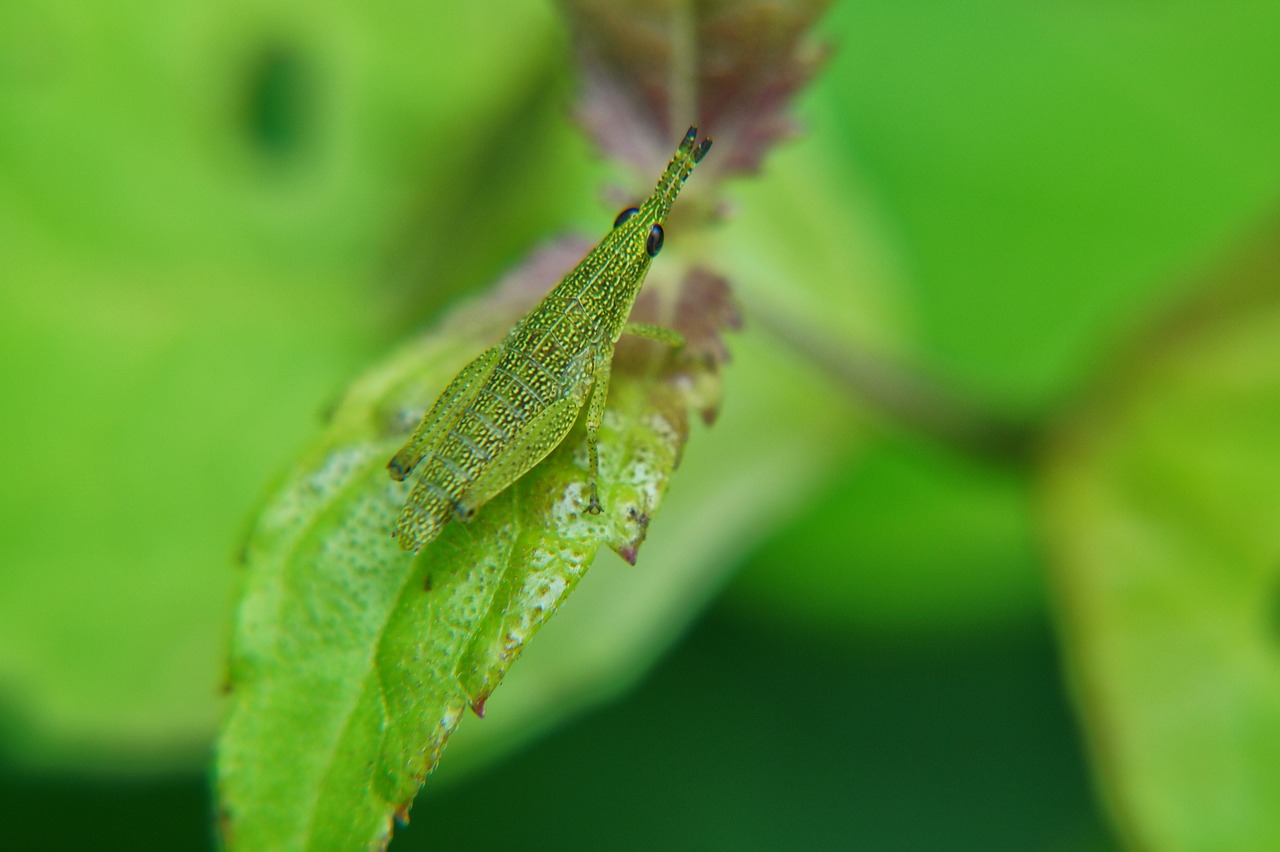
(425, 513)
(534, 443)
(446, 409)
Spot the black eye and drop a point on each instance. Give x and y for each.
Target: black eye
(625, 215)
(654, 245)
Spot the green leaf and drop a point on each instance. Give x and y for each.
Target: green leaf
(996, 219)
(177, 304)
(352, 662)
(1163, 504)
(914, 539)
(782, 431)
(1050, 188)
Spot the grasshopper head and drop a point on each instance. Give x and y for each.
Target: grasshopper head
(642, 226)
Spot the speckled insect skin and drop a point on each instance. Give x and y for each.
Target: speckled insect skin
(515, 403)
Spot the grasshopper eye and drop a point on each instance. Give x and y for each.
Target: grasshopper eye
(625, 215)
(654, 243)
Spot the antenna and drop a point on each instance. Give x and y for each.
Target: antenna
(687, 155)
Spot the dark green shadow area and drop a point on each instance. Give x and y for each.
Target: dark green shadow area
(279, 103)
(56, 814)
(745, 738)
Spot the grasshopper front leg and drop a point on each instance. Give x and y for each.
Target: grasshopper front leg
(595, 415)
(600, 395)
(662, 334)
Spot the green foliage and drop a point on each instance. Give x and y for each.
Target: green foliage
(210, 221)
(329, 610)
(348, 651)
(348, 654)
(1164, 504)
(175, 310)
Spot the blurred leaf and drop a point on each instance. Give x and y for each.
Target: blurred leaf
(912, 539)
(1046, 172)
(349, 653)
(1163, 506)
(177, 303)
(998, 218)
(909, 535)
(650, 69)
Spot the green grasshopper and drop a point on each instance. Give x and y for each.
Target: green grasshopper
(511, 406)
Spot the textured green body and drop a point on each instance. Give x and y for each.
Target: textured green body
(515, 403)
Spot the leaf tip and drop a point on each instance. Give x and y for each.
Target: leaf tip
(628, 550)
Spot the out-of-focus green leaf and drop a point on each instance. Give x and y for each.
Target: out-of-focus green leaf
(912, 538)
(197, 209)
(1046, 172)
(997, 217)
(1162, 501)
(908, 536)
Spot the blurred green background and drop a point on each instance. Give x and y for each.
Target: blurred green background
(213, 216)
